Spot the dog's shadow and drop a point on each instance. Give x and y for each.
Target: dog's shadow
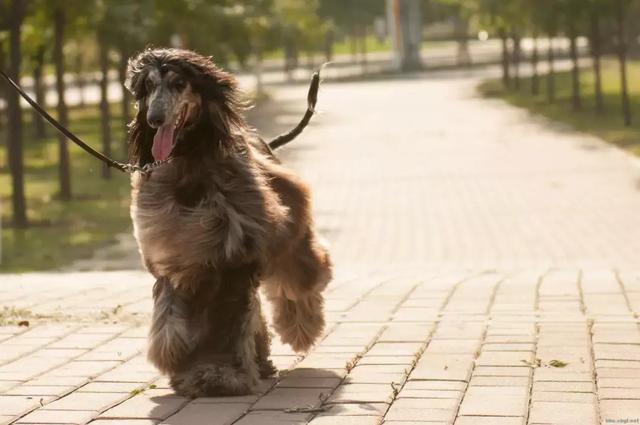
(294, 397)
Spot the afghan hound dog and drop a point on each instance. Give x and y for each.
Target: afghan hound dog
(218, 218)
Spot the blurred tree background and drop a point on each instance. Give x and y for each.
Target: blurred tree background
(54, 195)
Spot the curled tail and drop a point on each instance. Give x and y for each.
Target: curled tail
(312, 98)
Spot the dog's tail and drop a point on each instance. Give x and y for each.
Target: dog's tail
(312, 98)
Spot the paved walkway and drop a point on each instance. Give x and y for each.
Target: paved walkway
(487, 273)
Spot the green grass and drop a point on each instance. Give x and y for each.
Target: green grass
(60, 231)
(609, 125)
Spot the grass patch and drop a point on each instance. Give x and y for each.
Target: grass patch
(609, 125)
(62, 232)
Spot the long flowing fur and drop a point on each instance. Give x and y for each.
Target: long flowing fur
(220, 219)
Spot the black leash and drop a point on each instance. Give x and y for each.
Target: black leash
(125, 168)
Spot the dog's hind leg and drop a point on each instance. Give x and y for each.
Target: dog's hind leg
(295, 289)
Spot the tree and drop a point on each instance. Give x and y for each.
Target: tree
(596, 9)
(500, 16)
(352, 17)
(64, 172)
(621, 8)
(36, 37)
(463, 12)
(572, 15)
(547, 19)
(105, 113)
(14, 144)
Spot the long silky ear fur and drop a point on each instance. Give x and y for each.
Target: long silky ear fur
(140, 139)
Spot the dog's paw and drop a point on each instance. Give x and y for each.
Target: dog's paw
(267, 369)
(211, 381)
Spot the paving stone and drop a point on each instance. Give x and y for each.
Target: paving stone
(448, 346)
(426, 403)
(354, 409)
(575, 387)
(543, 412)
(419, 414)
(244, 399)
(395, 349)
(143, 406)
(16, 405)
(435, 385)
(196, 414)
(123, 422)
(503, 381)
(290, 382)
(405, 393)
(40, 390)
(346, 420)
(274, 418)
(386, 360)
(109, 387)
(488, 420)
(618, 382)
(57, 417)
(619, 393)
(291, 398)
(619, 410)
(87, 401)
(505, 358)
(567, 397)
(495, 401)
(362, 393)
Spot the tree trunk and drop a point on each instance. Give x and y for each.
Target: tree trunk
(506, 73)
(535, 76)
(363, 45)
(126, 96)
(516, 59)
(463, 56)
(58, 57)
(354, 44)
(551, 73)
(257, 49)
(14, 143)
(38, 121)
(576, 99)
(622, 58)
(105, 113)
(3, 65)
(596, 53)
(328, 45)
(80, 82)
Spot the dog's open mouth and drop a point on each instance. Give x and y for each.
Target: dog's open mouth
(166, 136)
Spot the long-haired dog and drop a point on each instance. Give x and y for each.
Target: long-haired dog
(214, 223)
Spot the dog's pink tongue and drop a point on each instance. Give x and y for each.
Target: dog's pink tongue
(162, 143)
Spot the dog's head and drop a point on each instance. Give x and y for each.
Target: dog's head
(185, 103)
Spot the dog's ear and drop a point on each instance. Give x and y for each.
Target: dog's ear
(140, 138)
(221, 96)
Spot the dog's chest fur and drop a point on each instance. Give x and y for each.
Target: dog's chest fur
(210, 214)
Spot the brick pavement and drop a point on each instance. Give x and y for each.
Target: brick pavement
(486, 274)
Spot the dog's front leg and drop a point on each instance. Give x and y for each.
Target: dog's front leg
(169, 338)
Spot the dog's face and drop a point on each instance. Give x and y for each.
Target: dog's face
(173, 106)
(185, 104)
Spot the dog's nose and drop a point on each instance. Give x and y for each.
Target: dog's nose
(155, 119)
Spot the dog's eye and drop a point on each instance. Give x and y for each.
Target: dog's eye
(179, 84)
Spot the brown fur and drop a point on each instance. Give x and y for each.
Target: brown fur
(220, 219)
